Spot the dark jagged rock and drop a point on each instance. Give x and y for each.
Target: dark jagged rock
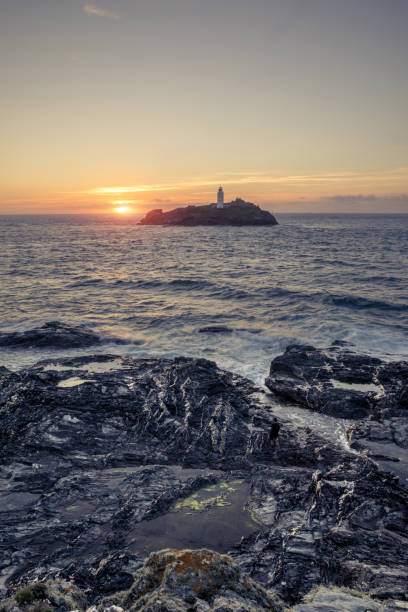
(93, 449)
(183, 410)
(330, 527)
(340, 382)
(237, 212)
(53, 335)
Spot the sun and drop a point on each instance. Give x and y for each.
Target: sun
(123, 207)
(122, 210)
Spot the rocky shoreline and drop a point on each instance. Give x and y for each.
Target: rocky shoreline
(99, 455)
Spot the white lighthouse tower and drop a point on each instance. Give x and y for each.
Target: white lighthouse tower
(220, 198)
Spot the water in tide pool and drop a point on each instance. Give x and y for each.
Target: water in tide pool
(312, 278)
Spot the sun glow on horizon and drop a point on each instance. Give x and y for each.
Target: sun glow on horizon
(122, 210)
(122, 207)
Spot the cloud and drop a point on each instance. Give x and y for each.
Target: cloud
(343, 204)
(388, 177)
(371, 197)
(92, 9)
(352, 198)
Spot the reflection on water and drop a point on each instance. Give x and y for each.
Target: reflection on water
(214, 517)
(313, 278)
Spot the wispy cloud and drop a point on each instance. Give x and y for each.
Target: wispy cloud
(92, 9)
(371, 197)
(393, 203)
(388, 177)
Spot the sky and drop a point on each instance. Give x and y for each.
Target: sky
(297, 105)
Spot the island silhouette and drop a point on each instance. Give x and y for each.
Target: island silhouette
(238, 212)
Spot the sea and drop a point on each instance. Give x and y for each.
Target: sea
(311, 279)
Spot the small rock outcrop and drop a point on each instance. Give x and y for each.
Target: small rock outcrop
(53, 335)
(340, 382)
(237, 212)
(215, 329)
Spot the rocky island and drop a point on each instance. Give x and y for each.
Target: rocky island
(237, 213)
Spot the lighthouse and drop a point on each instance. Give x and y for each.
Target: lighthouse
(220, 198)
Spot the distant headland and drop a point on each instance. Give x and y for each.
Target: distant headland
(237, 212)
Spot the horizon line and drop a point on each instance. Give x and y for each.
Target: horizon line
(130, 214)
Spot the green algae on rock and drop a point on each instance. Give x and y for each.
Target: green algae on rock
(200, 501)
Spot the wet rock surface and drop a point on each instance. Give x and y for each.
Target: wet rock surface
(338, 381)
(93, 448)
(145, 411)
(54, 335)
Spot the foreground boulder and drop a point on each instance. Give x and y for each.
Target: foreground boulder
(53, 335)
(202, 580)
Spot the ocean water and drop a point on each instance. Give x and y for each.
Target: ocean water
(312, 278)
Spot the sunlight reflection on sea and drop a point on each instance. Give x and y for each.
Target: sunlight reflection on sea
(313, 278)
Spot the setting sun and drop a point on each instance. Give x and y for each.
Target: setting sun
(123, 209)
(122, 206)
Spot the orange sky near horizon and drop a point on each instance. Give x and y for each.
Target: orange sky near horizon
(348, 191)
(298, 106)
